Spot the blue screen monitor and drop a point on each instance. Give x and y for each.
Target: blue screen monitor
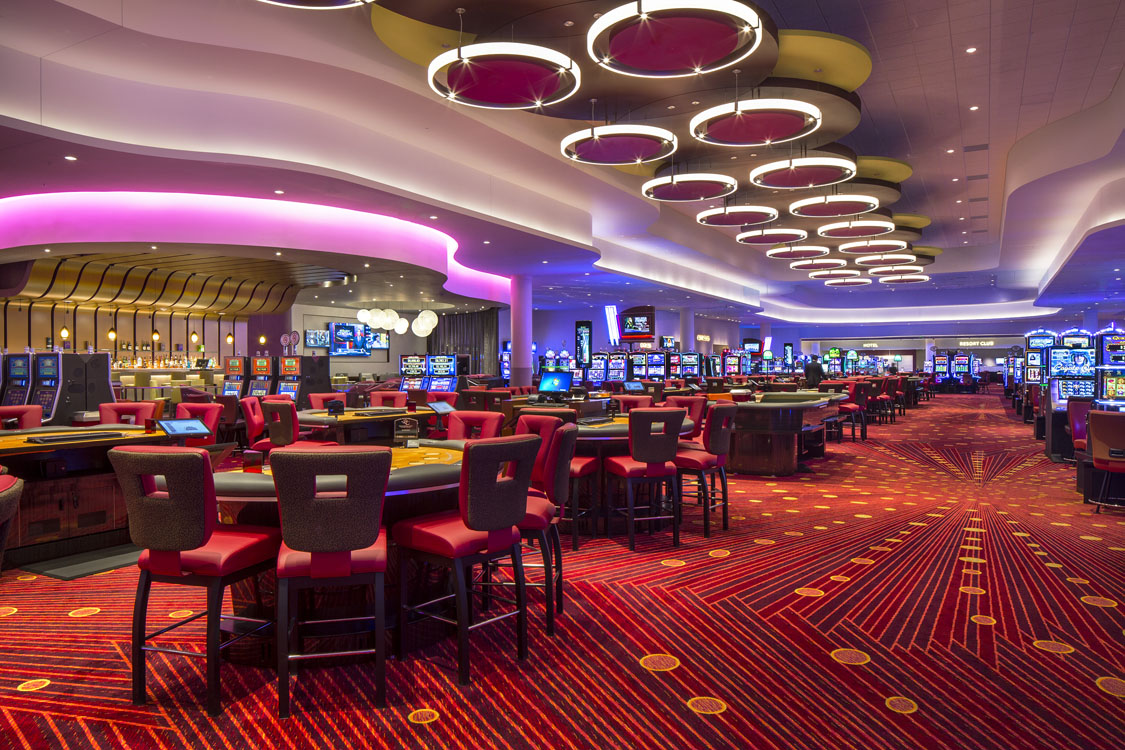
(184, 428)
(633, 386)
(555, 382)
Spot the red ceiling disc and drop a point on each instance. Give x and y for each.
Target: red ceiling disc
(778, 236)
(680, 42)
(799, 177)
(689, 190)
(503, 81)
(757, 127)
(732, 218)
(618, 149)
(835, 208)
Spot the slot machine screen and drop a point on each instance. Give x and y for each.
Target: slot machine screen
(445, 385)
(1071, 363)
(441, 365)
(259, 388)
(260, 366)
(234, 366)
(1034, 359)
(232, 387)
(1113, 349)
(1113, 386)
(290, 366)
(638, 360)
(412, 365)
(1040, 342)
(413, 384)
(46, 368)
(960, 363)
(1066, 389)
(1033, 374)
(288, 388)
(19, 367)
(1076, 341)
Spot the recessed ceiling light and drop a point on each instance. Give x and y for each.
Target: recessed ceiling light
(278, 253)
(401, 276)
(956, 179)
(544, 262)
(958, 200)
(974, 108)
(671, 106)
(68, 157)
(971, 50)
(279, 192)
(316, 296)
(960, 218)
(488, 242)
(152, 247)
(367, 265)
(949, 151)
(433, 217)
(46, 249)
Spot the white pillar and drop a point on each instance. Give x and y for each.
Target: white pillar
(522, 365)
(687, 330)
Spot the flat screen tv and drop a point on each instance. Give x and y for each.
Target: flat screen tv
(378, 340)
(348, 340)
(637, 326)
(318, 338)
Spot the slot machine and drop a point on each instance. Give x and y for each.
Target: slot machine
(731, 364)
(746, 363)
(598, 370)
(289, 377)
(506, 365)
(412, 365)
(235, 380)
(263, 376)
(959, 366)
(941, 367)
(1110, 370)
(689, 365)
(414, 383)
(675, 364)
(442, 384)
(1036, 344)
(656, 365)
(638, 366)
(45, 384)
(715, 365)
(1070, 374)
(617, 367)
(441, 366)
(17, 379)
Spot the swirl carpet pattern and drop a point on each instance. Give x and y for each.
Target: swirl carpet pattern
(938, 586)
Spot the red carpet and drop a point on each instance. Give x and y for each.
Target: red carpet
(940, 586)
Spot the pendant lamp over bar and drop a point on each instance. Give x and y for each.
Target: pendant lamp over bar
(834, 205)
(504, 75)
(803, 172)
(612, 145)
(690, 186)
(796, 252)
(751, 123)
(674, 38)
(771, 236)
(736, 216)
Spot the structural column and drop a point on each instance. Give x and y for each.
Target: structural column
(1090, 320)
(687, 330)
(522, 368)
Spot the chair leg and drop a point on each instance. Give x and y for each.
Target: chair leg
(283, 629)
(380, 644)
(629, 505)
(214, 640)
(403, 604)
(140, 615)
(548, 579)
(556, 540)
(521, 602)
(706, 495)
(463, 603)
(726, 498)
(674, 491)
(574, 516)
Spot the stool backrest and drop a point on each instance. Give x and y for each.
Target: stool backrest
(281, 417)
(556, 473)
(230, 408)
(495, 478)
(1076, 411)
(10, 490)
(397, 399)
(543, 426)
(207, 413)
(166, 523)
(1105, 440)
(327, 522)
(255, 419)
(569, 416)
(112, 413)
(627, 403)
(449, 397)
(30, 415)
(318, 400)
(696, 407)
(720, 426)
(463, 424)
(655, 447)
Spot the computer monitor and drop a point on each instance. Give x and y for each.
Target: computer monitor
(634, 386)
(555, 382)
(184, 428)
(441, 408)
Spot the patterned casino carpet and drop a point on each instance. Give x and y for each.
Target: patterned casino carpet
(938, 586)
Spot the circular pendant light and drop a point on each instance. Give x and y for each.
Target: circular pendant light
(736, 216)
(906, 278)
(856, 228)
(867, 247)
(504, 75)
(834, 205)
(847, 281)
(836, 273)
(771, 236)
(674, 38)
(885, 259)
(803, 172)
(796, 252)
(816, 264)
(894, 270)
(755, 122)
(693, 186)
(619, 144)
(317, 4)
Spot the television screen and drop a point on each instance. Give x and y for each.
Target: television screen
(378, 340)
(1071, 363)
(555, 382)
(318, 337)
(637, 326)
(349, 339)
(1034, 359)
(1077, 341)
(634, 386)
(667, 342)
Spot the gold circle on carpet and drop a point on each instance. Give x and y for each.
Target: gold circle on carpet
(7, 611)
(901, 705)
(659, 662)
(738, 518)
(809, 592)
(821, 528)
(719, 553)
(180, 614)
(976, 531)
(706, 705)
(26, 578)
(1098, 601)
(1041, 553)
(764, 541)
(841, 579)
(673, 563)
(972, 547)
(862, 515)
(31, 686)
(1053, 565)
(794, 533)
(967, 571)
(983, 620)
(971, 559)
(1055, 647)
(971, 590)
(881, 549)
(790, 497)
(1111, 685)
(1020, 533)
(1077, 580)
(84, 611)
(850, 656)
(422, 716)
(1091, 538)
(917, 523)
(863, 561)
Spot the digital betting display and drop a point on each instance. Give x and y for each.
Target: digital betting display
(1071, 363)
(1040, 342)
(260, 366)
(1113, 349)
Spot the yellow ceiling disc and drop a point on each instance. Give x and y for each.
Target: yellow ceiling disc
(823, 57)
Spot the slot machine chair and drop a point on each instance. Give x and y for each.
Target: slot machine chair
(284, 427)
(435, 428)
(396, 399)
(140, 411)
(27, 416)
(208, 414)
(320, 400)
(10, 490)
(1105, 441)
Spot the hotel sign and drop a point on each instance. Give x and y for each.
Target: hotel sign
(871, 345)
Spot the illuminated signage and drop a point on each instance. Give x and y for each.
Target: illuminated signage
(703, 337)
(976, 342)
(871, 345)
(611, 323)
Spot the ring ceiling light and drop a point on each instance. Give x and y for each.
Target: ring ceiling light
(815, 264)
(674, 38)
(803, 172)
(693, 186)
(894, 270)
(317, 4)
(856, 228)
(796, 252)
(736, 216)
(847, 281)
(866, 247)
(885, 259)
(504, 75)
(755, 122)
(911, 278)
(837, 273)
(834, 205)
(772, 236)
(619, 144)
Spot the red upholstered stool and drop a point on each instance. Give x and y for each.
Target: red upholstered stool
(28, 416)
(696, 407)
(472, 425)
(627, 403)
(329, 540)
(649, 465)
(281, 418)
(10, 491)
(396, 399)
(709, 462)
(114, 413)
(320, 400)
(207, 413)
(436, 429)
(544, 426)
(185, 545)
(255, 424)
(493, 501)
(1105, 442)
(1077, 410)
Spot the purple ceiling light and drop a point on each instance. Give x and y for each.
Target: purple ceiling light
(697, 186)
(504, 75)
(856, 228)
(736, 216)
(833, 205)
(803, 172)
(755, 122)
(619, 144)
(771, 236)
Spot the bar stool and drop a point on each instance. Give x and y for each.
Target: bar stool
(140, 411)
(472, 425)
(184, 545)
(320, 400)
(28, 416)
(649, 464)
(696, 407)
(627, 403)
(281, 417)
(544, 426)
(10, 491)
(709, 461)
(396, 399)
(329, 539)
(207, 413)
(1105, 441)
(492, 503)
